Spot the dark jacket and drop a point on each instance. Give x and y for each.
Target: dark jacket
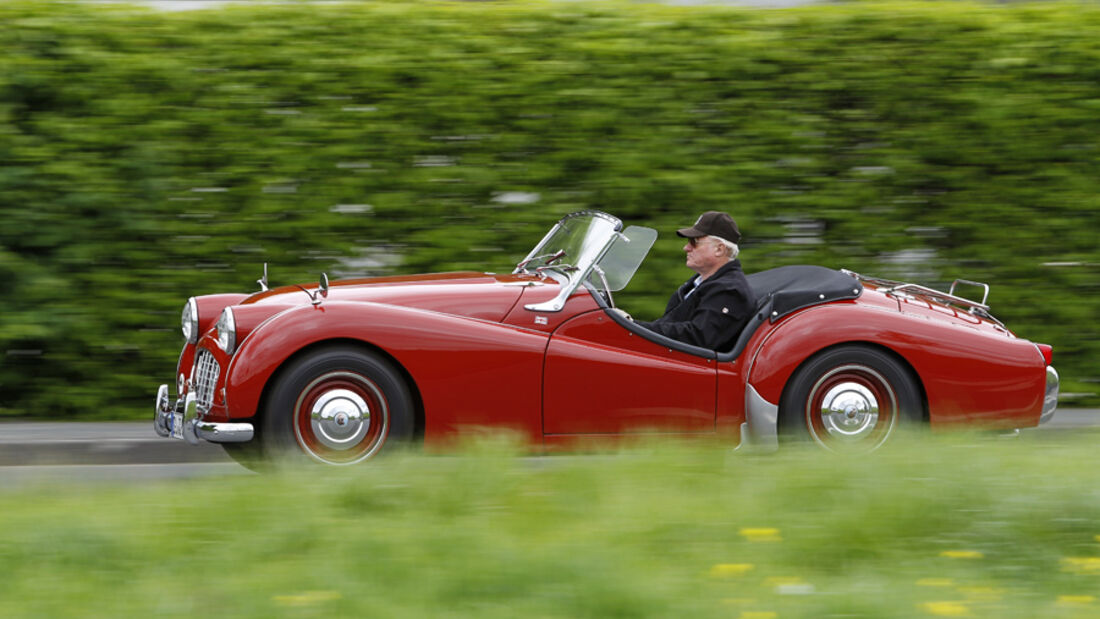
(713, 314)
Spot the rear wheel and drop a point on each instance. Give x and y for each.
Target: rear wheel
(849, 399)
(337, 406)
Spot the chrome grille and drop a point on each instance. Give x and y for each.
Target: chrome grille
(205, 377)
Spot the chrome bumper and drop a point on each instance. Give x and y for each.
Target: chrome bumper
(181, 420)
(1050, 398)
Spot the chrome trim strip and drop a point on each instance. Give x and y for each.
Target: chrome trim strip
(760, 432)
(1050, 398)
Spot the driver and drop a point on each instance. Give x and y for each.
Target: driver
(710, 309)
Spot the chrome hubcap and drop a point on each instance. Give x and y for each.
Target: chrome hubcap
(851, 407)
(849, 411)
(340, 419)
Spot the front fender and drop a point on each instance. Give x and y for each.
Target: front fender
(468, 371)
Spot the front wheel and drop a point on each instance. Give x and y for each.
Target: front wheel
(849, 399)
(337, 406)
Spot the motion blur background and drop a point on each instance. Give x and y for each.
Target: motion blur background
(151, 155)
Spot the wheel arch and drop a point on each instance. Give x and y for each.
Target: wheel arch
(361, 345)
(886, 350)
(798, 338)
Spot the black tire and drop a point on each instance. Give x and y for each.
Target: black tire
(337, 405)
(849, 399)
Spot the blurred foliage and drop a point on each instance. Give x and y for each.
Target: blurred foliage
(150, 156)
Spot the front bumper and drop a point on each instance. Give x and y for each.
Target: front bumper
(181, 421)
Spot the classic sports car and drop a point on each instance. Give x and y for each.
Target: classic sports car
(337, 372)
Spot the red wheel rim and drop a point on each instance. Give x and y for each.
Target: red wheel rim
(851, 408)
(341, 418)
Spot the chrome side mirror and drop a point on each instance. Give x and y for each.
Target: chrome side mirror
(322, 292)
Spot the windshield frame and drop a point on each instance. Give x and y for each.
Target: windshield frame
(589, 234)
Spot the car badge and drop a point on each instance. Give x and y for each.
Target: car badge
(541, 320)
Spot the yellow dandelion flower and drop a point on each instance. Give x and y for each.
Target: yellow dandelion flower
(761, 535)
(1081, 565)
(935, 582)
(1075, 600)
(726, 570)
(946, 609)
(962, 554)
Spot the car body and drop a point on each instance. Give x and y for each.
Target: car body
(336, 372)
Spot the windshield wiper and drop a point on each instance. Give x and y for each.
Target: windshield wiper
(558, 255)
(562, 268)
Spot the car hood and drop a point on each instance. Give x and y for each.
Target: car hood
(486, 296)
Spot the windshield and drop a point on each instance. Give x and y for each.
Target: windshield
(588, 245)
(576, 240)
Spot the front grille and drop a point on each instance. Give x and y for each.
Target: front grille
(205, 377)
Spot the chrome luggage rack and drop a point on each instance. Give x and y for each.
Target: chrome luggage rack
(894, 288)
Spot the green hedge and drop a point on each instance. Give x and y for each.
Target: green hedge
(149, 156)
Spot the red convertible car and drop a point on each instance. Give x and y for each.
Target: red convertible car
(337, 372)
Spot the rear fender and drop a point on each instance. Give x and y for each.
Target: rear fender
(966, 375)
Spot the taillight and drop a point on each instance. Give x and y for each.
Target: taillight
(1048, 352)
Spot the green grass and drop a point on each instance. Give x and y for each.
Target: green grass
(937, 527)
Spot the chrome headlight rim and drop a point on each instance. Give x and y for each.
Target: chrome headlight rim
(190, 321)
(227, 331)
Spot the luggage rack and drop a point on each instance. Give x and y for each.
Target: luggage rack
(894, 288)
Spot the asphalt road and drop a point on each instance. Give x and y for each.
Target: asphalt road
(112, 451)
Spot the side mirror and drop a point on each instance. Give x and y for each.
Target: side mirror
(322, 292)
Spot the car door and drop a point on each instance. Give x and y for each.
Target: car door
(600, 378)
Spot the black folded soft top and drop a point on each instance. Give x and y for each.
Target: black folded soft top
(792, 288)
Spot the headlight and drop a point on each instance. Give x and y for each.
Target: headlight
(190, 319)
(227, 331)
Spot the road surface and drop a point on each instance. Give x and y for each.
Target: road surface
(32, 452)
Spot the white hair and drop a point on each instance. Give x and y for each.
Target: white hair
(734, 249)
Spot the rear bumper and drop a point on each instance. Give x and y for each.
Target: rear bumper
(180, 420)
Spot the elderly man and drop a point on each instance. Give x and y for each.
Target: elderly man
(710, 309)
